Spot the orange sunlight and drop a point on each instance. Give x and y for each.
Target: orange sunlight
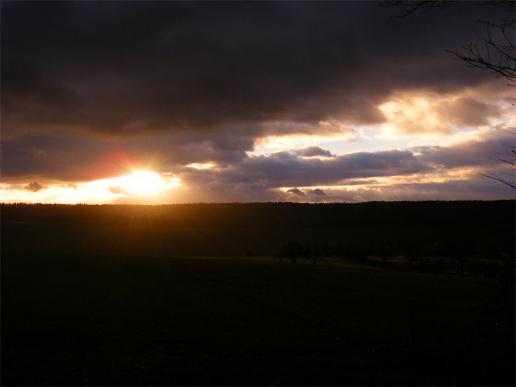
(140, 186)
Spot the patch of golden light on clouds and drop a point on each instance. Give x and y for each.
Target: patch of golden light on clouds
(407, 141)
(375, 183)
(140, 186)
(272, 144)
(300, 135)
(412, 119)
(365, 139)
(203, 166)
(411, 114)
(427, 112)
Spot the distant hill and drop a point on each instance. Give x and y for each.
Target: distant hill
(473, 229)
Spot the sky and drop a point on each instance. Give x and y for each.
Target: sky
(171, 102)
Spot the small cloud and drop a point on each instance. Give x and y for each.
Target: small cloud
(34, 187)
(116, 189)
(296, 191)
(202, 166)
(318, 192)
(314, 151)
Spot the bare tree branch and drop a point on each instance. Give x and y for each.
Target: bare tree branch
(501, 180)
(419, 6)
(496, 52)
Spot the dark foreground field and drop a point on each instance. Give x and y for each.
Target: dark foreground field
(244, 321)
(96, 319)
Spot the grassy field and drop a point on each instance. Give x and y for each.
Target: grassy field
(109, 320)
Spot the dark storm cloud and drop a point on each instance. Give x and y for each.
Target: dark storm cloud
(485, 152)
(284, 169)
(78, 156)
(124, 67)
(55, 155)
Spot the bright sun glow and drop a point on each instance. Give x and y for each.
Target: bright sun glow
(140, 186)
(141, 182)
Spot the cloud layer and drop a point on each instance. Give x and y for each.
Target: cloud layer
(128, 67)
(90, 89)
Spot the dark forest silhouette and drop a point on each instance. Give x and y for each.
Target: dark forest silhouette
(482, 230)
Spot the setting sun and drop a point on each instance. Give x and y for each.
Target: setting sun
(141, 182)
(139, 186)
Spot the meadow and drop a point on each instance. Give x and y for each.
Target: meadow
(94, 307)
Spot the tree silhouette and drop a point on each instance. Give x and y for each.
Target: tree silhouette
(495, 51)
(293, 251)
